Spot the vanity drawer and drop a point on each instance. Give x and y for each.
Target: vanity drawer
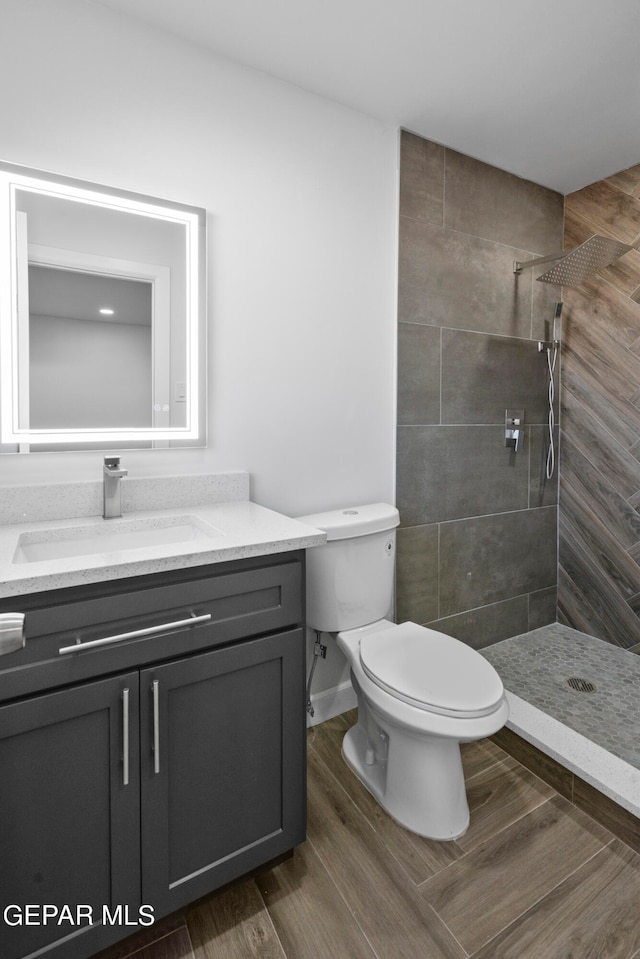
(161, 617)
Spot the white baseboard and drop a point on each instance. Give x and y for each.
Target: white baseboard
(331, 702)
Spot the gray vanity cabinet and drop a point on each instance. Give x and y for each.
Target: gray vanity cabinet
(228, 722)
(139, 775)
(67, 823)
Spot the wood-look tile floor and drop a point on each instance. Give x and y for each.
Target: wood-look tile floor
(532, 878)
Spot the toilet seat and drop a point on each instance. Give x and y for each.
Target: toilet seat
(431, 671)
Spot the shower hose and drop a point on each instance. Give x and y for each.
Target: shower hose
(551, 454)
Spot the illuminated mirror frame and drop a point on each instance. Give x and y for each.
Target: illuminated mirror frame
(15, 178)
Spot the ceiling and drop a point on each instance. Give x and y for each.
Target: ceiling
(76, 295)
(549, 90)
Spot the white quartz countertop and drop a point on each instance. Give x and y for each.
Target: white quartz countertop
(224, 531)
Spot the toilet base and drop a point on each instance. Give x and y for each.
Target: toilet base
(418, 780)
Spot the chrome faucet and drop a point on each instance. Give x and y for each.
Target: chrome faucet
(112, 473)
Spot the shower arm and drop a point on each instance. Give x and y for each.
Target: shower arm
(518, 266)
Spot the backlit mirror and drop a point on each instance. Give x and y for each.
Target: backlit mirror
(102, 317)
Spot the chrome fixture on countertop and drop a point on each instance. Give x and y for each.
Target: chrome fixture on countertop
(112, 473)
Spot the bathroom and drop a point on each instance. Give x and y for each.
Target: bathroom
(302, 372)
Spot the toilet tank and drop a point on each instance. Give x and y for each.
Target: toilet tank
(350, 578)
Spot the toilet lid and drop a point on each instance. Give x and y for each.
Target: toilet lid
(430, 670)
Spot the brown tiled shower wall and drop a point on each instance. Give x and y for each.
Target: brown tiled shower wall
(599, 571)
(477, 547)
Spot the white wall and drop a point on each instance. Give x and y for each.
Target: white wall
(301, 195)
(109, 364)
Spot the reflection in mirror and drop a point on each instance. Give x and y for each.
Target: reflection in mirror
(101, 317)
(89, 336)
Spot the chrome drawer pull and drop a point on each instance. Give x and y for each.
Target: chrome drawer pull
(125, 737)
(156, 726)
(136, 634)
(11, 632)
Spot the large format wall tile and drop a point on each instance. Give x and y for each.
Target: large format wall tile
(417, 574)
(542, 607)
(419, 382)
(491, 558)
(486, 625)
(543, 491)
(497, 205)
(484, 375)
(452, 279)
(467, 351)
(447, 472)
(422, 182)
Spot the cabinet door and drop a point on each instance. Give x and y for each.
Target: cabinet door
(69, 817)
(222, 766)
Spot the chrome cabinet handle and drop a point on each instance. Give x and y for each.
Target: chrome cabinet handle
(155, 689)
(125, 737)
(135, 634)
(11, 632)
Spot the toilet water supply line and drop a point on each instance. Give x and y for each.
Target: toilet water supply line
(318, 650)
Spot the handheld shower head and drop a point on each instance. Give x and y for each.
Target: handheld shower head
(556, 323)
(554, 342)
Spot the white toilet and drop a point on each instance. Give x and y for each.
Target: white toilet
(420, 693)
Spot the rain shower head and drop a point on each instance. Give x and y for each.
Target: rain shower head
(576, 265)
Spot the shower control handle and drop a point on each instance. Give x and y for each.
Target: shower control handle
(513, 429)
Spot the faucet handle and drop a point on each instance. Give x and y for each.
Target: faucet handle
(112, 466)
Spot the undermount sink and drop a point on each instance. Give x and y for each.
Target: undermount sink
(113, 535)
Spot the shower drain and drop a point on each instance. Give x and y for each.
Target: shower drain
(580, 685)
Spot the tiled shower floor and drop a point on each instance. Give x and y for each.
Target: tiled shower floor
(595, 733)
